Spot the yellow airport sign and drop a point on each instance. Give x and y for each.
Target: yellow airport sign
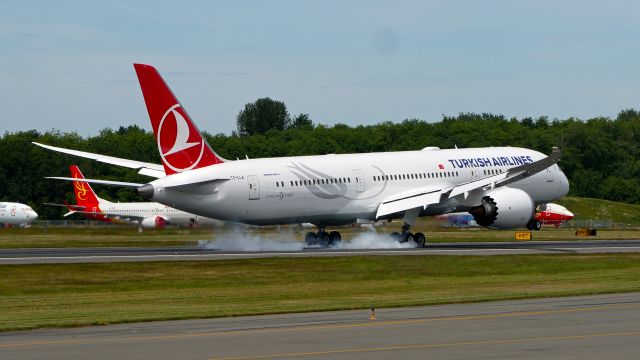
(523, 235)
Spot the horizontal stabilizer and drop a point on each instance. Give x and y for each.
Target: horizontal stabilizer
(148, 169)
(102, 182)
(68, 206)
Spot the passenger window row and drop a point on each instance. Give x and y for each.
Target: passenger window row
(414, 176)
(493, 171)
(344, 180)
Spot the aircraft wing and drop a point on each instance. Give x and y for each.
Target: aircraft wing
(409, 200)
(148, 169)
(422, 198)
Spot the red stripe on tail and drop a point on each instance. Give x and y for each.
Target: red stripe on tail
(180, 144)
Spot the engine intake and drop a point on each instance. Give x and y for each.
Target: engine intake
(504, 208)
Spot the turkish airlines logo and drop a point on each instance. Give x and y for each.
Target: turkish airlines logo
(81, 189)
(175, 148)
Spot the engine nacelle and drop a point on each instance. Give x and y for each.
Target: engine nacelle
(504, 208)
(154, 222)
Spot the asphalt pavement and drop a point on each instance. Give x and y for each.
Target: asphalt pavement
(136, 254)
(587, 327)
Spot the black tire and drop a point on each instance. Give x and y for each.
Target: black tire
(530, 225)
(334, 238)
(323, 238)
(310, 238)
(537, 225)
(395, 236)
(405, 237)
(420, 239)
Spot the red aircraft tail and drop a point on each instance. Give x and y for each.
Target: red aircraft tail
(181, 145)
(84, 193)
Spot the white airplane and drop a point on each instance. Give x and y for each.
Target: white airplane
(500, 186)
(145, 214)
(16, 214)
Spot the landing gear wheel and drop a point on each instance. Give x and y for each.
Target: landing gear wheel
(405, 237)
(334, 238)
(420, 239)
(537, 225)
(323, 238)
(310, 238)
(530, 225)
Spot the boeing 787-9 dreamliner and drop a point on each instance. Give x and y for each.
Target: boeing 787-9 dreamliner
(499, 186)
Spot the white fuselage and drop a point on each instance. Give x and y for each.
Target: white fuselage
(338, 189)
(147, 212)
(16, 214)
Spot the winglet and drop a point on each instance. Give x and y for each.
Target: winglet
(180, 143)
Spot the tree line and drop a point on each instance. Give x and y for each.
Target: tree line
(599, 155)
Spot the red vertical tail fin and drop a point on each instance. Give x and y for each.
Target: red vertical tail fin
(84, 193)
(180, 144)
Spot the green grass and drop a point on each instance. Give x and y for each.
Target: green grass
(596, 209)
(99, 237)
(33, 296)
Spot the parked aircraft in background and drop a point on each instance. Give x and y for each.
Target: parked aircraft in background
(146, 214)
(499, 186)
(551, 214)
(546, 214)
(16, 214)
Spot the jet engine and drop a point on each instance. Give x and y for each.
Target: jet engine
(504, 208)
(151, 222)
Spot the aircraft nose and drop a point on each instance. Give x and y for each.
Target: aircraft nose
(564, 184)
(569, 215)
(33, 215)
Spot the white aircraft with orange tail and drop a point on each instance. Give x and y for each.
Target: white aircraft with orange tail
(145, 214)
(500, 186)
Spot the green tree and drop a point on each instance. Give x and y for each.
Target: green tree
(261, 116)
(302, 121)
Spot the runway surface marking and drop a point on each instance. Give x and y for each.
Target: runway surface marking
(430, 346)
(323, 327)
(214, 256)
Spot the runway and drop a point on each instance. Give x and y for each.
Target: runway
(136, 254)
(588, 327)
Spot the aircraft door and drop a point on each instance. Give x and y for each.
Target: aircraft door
(254, 189)
(359, 177)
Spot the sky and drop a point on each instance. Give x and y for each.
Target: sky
(67, 65)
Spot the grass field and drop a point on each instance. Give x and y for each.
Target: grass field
(34, 296)
(595, 209)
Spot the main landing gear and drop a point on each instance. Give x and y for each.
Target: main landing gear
(322, 238)
(405, 236)
(410, 217)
